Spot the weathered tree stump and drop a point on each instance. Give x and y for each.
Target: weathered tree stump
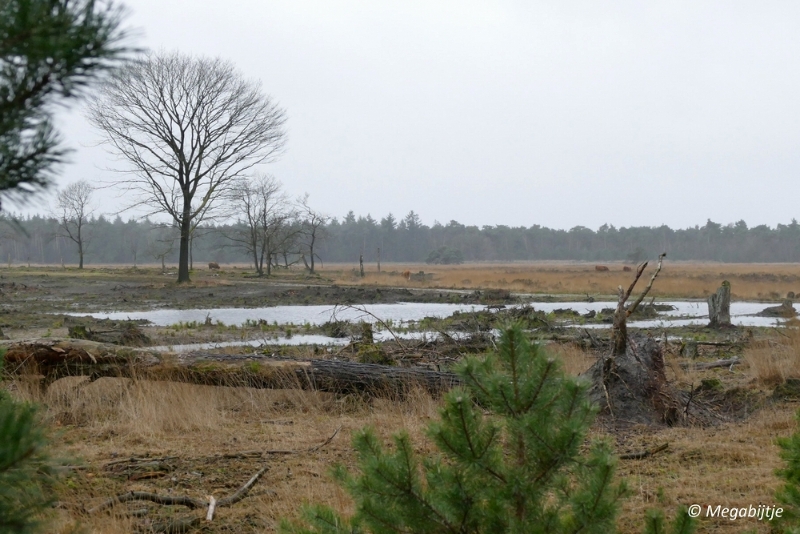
(631, 387)
(629, 384)
(719, 307)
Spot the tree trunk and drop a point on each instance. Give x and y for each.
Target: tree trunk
(719, 307)
(311, 252)
(183, 256)
(80, 256)
(619, 332)
(56, 358)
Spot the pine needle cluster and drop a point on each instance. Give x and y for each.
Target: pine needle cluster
(789, 493)
(50, 50)
(26, 484)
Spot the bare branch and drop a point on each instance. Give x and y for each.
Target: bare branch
(632, 308)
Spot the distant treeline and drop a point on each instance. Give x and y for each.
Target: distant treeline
(35, 239)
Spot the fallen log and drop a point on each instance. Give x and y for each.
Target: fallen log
(58, 358)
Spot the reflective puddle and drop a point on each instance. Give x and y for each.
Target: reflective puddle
(684, 313)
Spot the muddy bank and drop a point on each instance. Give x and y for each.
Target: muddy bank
(137, 289)
(33, 300)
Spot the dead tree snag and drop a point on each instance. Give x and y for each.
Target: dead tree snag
(719, 306)
(630, 384)
(619, 331)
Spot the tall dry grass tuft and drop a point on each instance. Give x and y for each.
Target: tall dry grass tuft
(147, 411)
(773, 361)
(575, 359)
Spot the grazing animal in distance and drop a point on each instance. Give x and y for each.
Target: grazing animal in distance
(626, 269)
(601, 268)
(213, 265)
(407, 275)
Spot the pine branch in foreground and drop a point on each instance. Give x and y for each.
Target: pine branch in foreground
(25, 480)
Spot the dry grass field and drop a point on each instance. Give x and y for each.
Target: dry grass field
(209, 440)
(201, 440)
(766, 281)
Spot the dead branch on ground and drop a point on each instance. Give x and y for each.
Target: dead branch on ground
(644, 454)
(246, 454)
(729, 362)
(179, 500)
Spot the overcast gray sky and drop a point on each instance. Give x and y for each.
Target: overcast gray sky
(558, 113)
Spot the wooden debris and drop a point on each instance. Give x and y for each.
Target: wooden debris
(729, 362)
(643, 454)
(57, 358)
(179, 500)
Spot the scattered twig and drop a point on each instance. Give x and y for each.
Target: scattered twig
(242, 492)
(212, 505)
(364, 310)
(176, 526)
(134, 460)
(643, 454)
(688, 402)
(718, 343)
(592, 339)
(180, 500)
(311, 449)
(729, 362)
(167, 500)
(245, 454)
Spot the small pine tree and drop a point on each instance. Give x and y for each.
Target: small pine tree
(524, 467)
(25, 478)
(789, 493)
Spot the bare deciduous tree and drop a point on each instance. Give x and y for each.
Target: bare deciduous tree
(313, 229)
(74, 211)
(265, 213)
(189, 128)
(161, 243)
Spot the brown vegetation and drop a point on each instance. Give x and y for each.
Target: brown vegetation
(215, 438)
(207, 440)
(678, 280)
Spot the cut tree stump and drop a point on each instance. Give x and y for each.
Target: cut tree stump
(719, 307)
(58, 358)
